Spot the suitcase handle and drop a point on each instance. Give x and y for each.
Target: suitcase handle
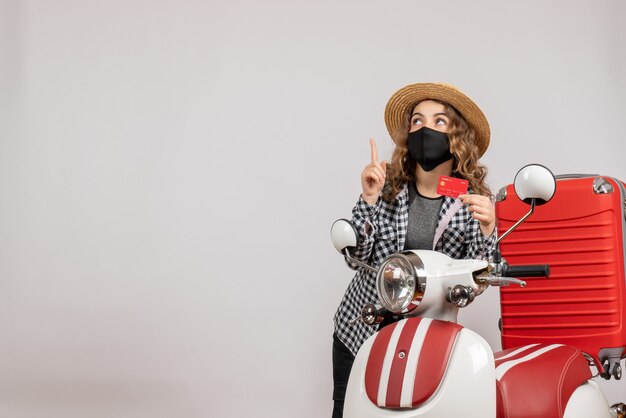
(575, 176)
(536, 270)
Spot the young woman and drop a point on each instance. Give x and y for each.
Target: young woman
(438, 131)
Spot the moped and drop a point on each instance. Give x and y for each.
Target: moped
(426, 365)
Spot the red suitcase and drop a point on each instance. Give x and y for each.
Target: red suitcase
(580, 234)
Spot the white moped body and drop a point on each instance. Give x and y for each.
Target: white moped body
(468, 385)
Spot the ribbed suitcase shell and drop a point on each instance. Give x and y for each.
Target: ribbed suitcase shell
(580, 234)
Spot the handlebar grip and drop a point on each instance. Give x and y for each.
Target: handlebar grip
(537, 270)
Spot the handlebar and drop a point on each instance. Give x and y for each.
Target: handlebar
(537, 270)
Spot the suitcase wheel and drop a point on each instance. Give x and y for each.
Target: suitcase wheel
(612, 369)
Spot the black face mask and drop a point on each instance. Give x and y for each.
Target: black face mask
(429, 147)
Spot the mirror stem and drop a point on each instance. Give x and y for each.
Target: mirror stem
(511, 229)
(359, 263)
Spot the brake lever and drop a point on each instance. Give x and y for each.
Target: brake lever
(501, 281)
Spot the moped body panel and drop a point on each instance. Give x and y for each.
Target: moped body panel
(466, 389)
(587, 401)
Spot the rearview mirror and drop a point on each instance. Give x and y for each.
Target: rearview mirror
(534, 184)
(344, 235)
(535, 181)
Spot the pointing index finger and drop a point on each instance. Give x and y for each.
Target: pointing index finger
(373, 150)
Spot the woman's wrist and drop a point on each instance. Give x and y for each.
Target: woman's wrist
(487, 230)
(370, 199)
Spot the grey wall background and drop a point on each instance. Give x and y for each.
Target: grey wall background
(169, 171)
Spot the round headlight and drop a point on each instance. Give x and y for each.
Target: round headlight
(401, 282)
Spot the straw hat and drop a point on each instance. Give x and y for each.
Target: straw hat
(407, 97)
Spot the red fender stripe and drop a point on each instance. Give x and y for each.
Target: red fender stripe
(433, 359)
(375, 362)
(398, 367)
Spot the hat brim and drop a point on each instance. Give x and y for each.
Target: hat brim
(406, 97)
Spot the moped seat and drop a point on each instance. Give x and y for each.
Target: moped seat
(538, 379)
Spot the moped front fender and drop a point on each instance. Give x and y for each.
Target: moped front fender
(467, 389)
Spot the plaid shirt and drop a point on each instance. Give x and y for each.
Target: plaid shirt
(382, 231)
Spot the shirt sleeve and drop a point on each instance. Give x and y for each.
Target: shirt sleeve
(479, 246)
(364, 218)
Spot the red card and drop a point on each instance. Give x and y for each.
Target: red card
(451, 186)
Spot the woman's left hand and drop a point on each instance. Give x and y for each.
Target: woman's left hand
(482, 210)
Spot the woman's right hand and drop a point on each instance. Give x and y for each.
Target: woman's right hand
(373, 176)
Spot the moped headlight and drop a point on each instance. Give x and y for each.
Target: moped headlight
(401, 282)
